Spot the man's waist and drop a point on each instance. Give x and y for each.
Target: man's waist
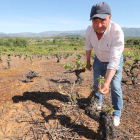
(102, 59)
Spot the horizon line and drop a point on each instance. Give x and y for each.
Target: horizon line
(56, 31)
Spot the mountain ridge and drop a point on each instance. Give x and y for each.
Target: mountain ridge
(127, 32)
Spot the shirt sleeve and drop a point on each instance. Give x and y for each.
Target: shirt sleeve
(117, 48)
(88, 45)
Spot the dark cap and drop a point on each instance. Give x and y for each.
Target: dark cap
(100, 10)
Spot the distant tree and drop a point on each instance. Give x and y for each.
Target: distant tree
(22, 42)
(11, 39)
(0, 56)
(136, 42)
(54, 41)
(39, 40)
(17, 42)
(1, 43)
(129, 41)
(8, 44)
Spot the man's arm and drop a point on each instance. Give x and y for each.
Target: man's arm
(88, 66)
(104, 89)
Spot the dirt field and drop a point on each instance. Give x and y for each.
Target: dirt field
(40, 109)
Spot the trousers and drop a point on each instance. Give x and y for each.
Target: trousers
(116, 90)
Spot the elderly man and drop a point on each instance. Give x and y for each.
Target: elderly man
(107, 40)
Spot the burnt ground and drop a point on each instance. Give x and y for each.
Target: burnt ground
(50, 106)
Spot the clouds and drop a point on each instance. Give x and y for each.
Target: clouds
(45, 15)
(44, 23)
(16, 24)
(130, 26)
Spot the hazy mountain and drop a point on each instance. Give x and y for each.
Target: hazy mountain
(2, 34)
(127, 32)
(131, 31)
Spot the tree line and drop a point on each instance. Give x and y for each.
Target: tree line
(39, 44)
(132, 43)
(14, 42)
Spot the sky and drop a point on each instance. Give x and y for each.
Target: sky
(37, 16)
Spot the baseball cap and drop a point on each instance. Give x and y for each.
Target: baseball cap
(100, 10)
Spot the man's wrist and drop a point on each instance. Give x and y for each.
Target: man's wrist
(107, 83)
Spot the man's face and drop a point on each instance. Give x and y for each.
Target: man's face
(100, 25)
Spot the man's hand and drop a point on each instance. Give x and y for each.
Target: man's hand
(104, 89)
(89, 67)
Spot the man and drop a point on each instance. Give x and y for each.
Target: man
(107, 40)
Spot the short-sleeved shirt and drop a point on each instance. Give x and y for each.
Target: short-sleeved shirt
(110, 47)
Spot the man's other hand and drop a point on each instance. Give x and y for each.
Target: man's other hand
(89, 67)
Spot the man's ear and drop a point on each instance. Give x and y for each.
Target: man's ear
(110, 16)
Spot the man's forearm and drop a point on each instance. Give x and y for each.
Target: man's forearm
(88, 53)
(88, 66)
(109, 75)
